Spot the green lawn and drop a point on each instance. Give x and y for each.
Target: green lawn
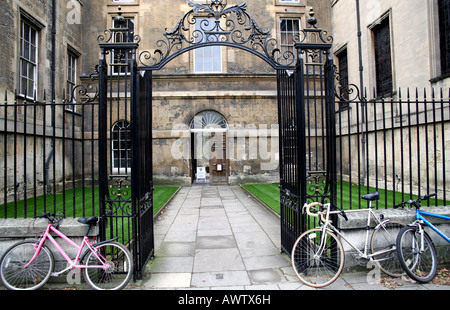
(161, 194)
(270, 195)
(71, 203)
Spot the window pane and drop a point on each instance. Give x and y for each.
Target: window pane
(383, 61)
(121, 145)
(207, 59)
(208, 52)
(26, 32)
(217, 66)
(444, 35)
(289, 25)
(23, 68)
(31, 69)
(26, 50)
(33, 37)
(29, 58)
(283, 26)
(289, 29)
(23, 85)
(198, 66)
(30, 90)
(33, 54)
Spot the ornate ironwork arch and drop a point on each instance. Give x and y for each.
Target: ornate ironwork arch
(233, 27)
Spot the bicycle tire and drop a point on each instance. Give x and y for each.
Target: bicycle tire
(12, 272)
(317, 271)
(421, 267)
(119, 258)
(383, 238)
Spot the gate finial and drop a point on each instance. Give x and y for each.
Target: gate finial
(120, 20)
(312, 20)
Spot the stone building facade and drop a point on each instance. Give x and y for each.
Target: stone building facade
(395, 54)
(222, 81)
(41, 57)
(37, 39)
(52, 45)
(416, 40)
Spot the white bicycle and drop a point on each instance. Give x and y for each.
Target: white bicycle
(318, 255)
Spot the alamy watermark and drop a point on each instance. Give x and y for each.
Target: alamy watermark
(74, 14)
(250, 142)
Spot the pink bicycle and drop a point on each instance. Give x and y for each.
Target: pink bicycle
(28, 265)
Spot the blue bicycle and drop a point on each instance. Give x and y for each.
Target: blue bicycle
(415, 249)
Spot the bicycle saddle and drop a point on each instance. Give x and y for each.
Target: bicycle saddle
(88, 220)
(371, 196)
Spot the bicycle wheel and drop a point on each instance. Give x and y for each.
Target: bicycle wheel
(12, 272)
(120, 263)
(314, 265)
(419, 265)
(384, 242)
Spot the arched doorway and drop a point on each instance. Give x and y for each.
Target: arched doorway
(210, 162)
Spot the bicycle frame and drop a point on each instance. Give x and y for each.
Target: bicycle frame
(370, 215)
(72, 263)
(419, 217)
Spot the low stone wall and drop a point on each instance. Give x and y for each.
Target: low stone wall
(16, 230)
(354, 230)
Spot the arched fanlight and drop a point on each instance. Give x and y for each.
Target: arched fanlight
(209, 121)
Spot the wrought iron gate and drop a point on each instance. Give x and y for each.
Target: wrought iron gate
(292, 156)
(306, 115)
(125, 145)
(305, 82)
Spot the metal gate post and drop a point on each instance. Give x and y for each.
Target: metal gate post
(102, 143)
(301, 140)
(330, 101)
(142, 171)
(292, 153)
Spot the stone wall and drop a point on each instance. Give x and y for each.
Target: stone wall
(354, 230)
(414, 41)
(16, 230)
(248, 103)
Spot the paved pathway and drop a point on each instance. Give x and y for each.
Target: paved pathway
(217, 237)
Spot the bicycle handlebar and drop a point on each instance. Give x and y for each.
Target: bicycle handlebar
(47, 215)
(309, 206)
(321, 213)
(415, 203)
(51, 217)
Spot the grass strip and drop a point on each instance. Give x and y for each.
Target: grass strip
(81, 202)
(348, 196)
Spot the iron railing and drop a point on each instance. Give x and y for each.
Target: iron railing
(398, 145)
(393, 152)
(48, 155)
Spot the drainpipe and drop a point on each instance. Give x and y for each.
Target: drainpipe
(53, 92)
(361, 88)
